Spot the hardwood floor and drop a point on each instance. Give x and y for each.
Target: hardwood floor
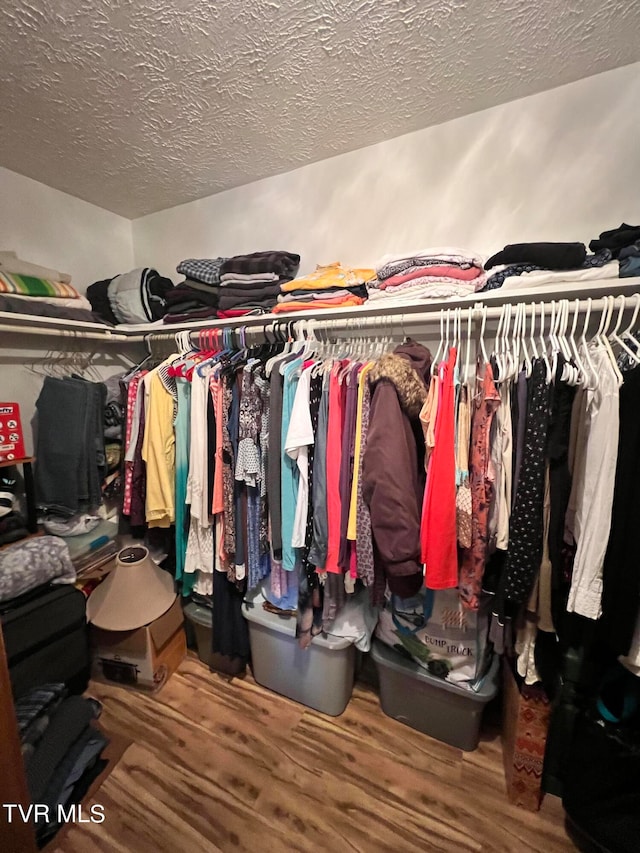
(218, 766)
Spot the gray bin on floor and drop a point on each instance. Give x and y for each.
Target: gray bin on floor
(442, 710)
(201, 620)
(320, 677)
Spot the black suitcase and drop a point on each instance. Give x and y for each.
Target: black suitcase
(46, 639)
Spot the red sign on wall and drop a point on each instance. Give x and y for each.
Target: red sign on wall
(11, 436)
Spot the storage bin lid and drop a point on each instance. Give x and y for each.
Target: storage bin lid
(387, 657)
(200, 615)
(259, 616)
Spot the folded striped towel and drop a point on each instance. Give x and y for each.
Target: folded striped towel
(28, 285)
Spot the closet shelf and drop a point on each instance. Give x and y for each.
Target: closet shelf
(28, 324)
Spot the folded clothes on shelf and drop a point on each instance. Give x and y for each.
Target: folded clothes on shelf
(440, 273)
(551, 256)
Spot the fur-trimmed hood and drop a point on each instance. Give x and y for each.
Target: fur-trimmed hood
(407, 368)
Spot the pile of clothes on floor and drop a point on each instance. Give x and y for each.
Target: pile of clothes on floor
(27, 288)
(24, 566)
(329, 286)
(61, 749)
(224, 288)
(443, 273)
(531, 265)
(138, 296)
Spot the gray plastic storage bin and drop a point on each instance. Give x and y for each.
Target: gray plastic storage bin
(200, 619)
(320, 676)
(413, 696)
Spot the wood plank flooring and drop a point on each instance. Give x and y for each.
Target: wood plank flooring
(218, 766)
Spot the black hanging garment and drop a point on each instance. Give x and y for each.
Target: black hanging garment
(526, 528)
(621, 573)
(602, 786)
(562, 397)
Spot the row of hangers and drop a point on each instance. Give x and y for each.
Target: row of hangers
(524, 332)
(516, 346)
(60, 364)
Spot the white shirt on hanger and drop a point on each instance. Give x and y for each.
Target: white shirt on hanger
(594, 482)
(299, 437)
(199, 556)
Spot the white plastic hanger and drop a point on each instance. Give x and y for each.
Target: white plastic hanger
(629, 332)
(447, 344)
(532, 340)
(512, 356)
(483, 311)
(604, 340)
(527, 356)
(468, 348)
(497, 348)
(434, 363)
(543, 344)
(571, 372)
(583, 374)
(458, 336)
(615, 337)
(505, 344)
(556, 314)
(593, 381)
(516, 340)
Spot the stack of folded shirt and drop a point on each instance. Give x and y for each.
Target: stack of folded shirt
(445, 273)
(61, 749)
(624, 244)
(230, 287)
(524, 265)
(27, 288)
(195, 298)
(330, 286)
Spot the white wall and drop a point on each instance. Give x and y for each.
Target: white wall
(49, 227)
(560, 165)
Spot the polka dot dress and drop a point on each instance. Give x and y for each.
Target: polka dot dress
(526, 526)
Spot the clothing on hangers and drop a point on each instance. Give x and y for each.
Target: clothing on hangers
(316, 467)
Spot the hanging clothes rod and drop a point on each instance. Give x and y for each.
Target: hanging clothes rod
(352, 326)
(70, 334)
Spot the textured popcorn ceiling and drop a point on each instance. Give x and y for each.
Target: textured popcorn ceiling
(139, 105)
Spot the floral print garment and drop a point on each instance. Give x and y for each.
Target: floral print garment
(473, 560)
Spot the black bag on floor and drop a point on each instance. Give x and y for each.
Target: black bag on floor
(602, 786)
(46, 638)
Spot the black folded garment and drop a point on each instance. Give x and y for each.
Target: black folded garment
(68, 722)
(193, 314)
(246, 293)
(279, 263)
(183, 293)
(158, 287)
(98, 296)
(250, 287)
(357, 290)
(13, 528)
(616, 239)
(255, 300)
(550, 256)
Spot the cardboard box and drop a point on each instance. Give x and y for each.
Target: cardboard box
(525, 727)
(11, 435)
(144, 658)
